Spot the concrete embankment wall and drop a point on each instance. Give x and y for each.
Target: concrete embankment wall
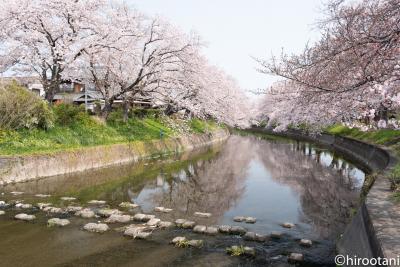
(375, 230)
(25, 168)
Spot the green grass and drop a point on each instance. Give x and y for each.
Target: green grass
(201, 126)
(387, 137)
(86, 131)
(380, 137)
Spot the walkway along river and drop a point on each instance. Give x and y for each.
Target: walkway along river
(276, 181)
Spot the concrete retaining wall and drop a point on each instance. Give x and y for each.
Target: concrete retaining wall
(25, 168)
(375, 230)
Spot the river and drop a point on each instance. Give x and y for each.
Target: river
(272, 179)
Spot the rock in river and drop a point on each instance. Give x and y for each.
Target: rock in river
(225, 229)
(96, 227)
(2, 212)
(43, 205)
(237, 230)
(68, 198)
(178, 239)
(85, 213)
(202, 214)
(97, 202)
(23, 206)
(201, 229)
(287, 225)
(306, 243)
(179, 222)
(239, 218)
(195, 243)
(251, 236)
(57, 222)
(42, 195)
(25, 217)
(118, 218)
(162, 209)
(295, 257)
(108, 212)
(128, 205)
(250, 220)
(54, 210)
(188, 224)
(143, 217)
(153, 222)
(276, 235)
(73, 208)
(164, 224)
(138, 231)
(212, 230)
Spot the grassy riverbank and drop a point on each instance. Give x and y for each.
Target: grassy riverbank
(84, 130)
(388, 138)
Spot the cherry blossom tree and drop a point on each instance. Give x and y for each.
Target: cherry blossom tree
(352, 70)
(42, 37)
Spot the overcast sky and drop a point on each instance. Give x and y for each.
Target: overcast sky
(235, 30)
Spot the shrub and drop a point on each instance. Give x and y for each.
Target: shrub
(20, 108)
(145, 113)
(68, 114)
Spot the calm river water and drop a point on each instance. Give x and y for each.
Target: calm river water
(275, 181)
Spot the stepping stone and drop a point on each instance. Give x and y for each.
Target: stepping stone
(295, 258)
(179, 222)
(68, 198)
(138, 231)
(250, 220)
(118, 218)
(25, 217)
(153, 222)
(201, 229)
(3, 204)
(108, 212)
(50, 209)
(276, 235)
(85, 213)
(287, 225)
(225, 229)
(97, 202)
(16, 193)
(23, 206)
(238, 230)
(250, 251)
(306, 243)
(96, 227)
(2, 212)
(202, 214)
(143, 235)
(239, 219)
(143, 217)
(73, 208)
(42, 195)
(212, 230)
(43, 205)
(57, 222)
(196, 243)
(178, 239)
(162, 209)
(128, 205)
(188, 224)
(164, 224)
(251, 236)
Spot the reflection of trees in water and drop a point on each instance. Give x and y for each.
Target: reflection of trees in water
(209, 185)
(324, 182)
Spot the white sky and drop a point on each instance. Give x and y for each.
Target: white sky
(236, 29)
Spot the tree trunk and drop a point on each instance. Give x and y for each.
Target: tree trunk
(125, 111)
(106, 109)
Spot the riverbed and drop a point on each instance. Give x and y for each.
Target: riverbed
(273, 180)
